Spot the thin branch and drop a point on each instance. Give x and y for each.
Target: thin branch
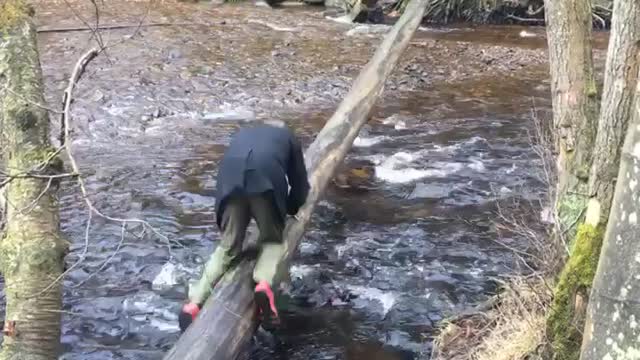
(62, 312)
(603, 8)
(95, 6)
(521, 19)
(115, 27)
(34, 172)
(599, 18)
(271, 26)
(37, 176)
(106, 262)
(44, 107)
(137, 30)
(79, 68)
(35, 201)
(75, 76)
(87, 231)
(95, 32)
(534, 12)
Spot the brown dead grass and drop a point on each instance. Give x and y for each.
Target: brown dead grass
(513, 330)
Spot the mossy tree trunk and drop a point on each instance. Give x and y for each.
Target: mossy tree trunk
(611, 330)
(31, 249)
(571, 298)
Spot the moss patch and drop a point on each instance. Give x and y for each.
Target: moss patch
(12, 12)
(571, 208)
(566, 320)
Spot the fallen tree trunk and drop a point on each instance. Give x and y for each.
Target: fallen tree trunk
(227, 321)
(31, 249)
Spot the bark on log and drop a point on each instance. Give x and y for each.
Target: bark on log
(31, 249)
(611, 329)
(227, 322)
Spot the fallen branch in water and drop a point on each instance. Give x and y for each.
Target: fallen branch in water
(272, 26)
(114, 27)
(521, 19)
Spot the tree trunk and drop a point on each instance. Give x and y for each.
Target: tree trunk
(574, 104)
(621, 75)
(571, 298)
(31, 249)
(574, 121)
(227, 321)
(611, 330)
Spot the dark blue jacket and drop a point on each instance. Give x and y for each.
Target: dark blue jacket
(261, 159)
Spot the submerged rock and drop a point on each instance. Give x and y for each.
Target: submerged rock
(230, 114)
(433, 191)
(171, 275)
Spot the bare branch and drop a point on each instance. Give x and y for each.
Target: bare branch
(106, 262)
(137, 30)
(44, 107)
(117, 27)
(599, 19)
(521, 19)
(532, 12)
(78, 70)
(35, 201)
(95, 32)
(85, 250)
(35, 172)
(603, 8)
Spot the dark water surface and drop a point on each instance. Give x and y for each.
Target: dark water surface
(406, 234)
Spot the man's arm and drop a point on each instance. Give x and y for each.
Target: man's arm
(297, 175)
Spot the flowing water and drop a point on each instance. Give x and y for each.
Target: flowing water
(406, 234)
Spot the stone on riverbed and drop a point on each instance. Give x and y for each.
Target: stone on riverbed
(369, 29)
(148, 312)
(171, 275)
(430, 191)
(230, 114)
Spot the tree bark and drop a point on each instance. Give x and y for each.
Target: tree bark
(227, 321)
(621, 74)
(31, 248)
(611, 330)
(574, 103)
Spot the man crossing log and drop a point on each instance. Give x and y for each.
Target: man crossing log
(253, 177)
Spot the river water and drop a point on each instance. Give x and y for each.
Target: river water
(406, 234)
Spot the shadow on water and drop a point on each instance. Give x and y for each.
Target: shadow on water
(405, 234)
